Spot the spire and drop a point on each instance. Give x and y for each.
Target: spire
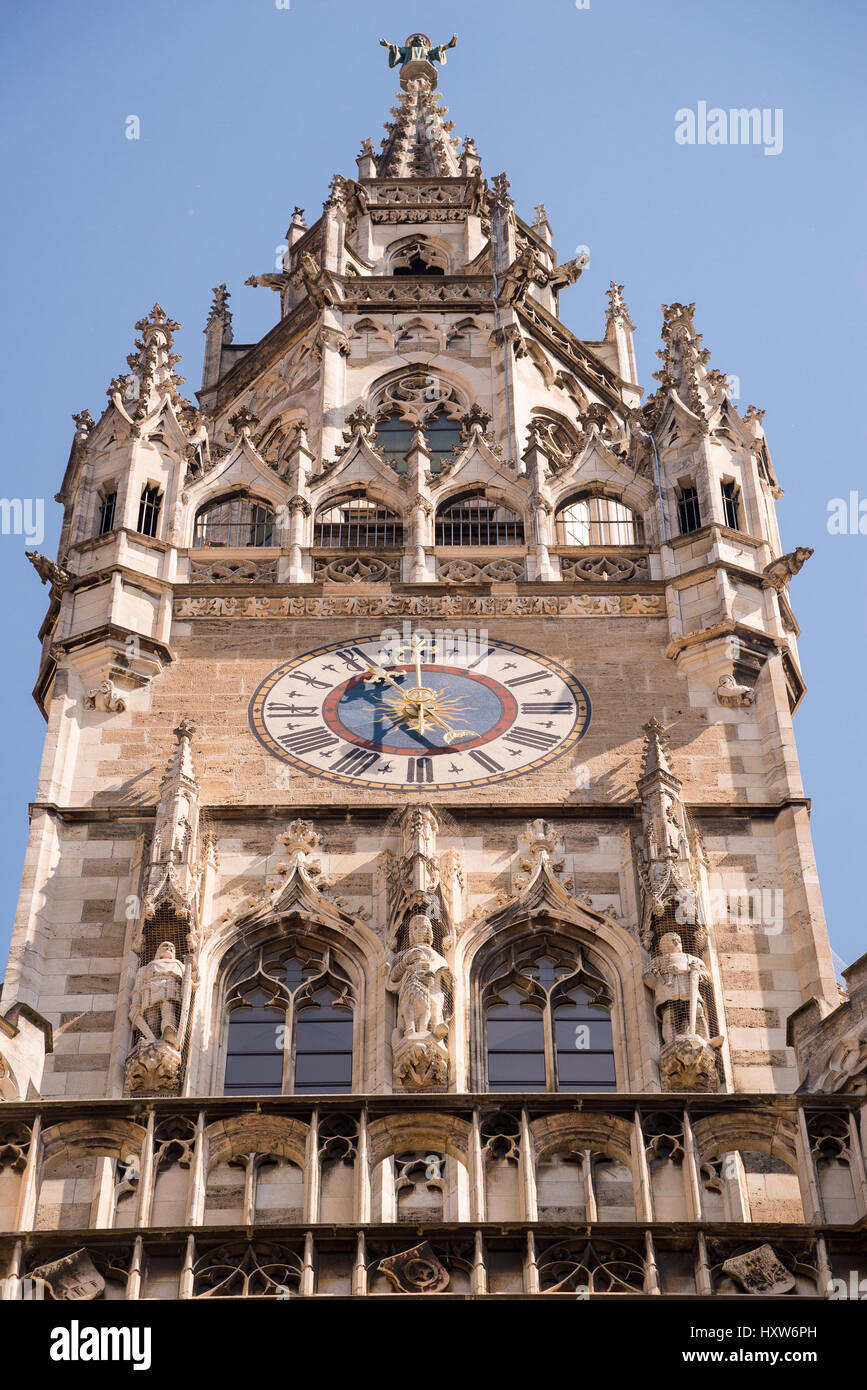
(152, 367)
(618, 330)
(654, 761)
(220, 315)
(173, 868)
(218, 334)
(684, 361)
(419, 142)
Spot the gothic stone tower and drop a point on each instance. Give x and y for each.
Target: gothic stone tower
(420, 872)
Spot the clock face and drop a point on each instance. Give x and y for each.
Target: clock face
(417, 717)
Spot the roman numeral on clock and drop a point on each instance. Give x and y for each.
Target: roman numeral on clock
(308, 740)
(355, 761)
(528, 680)
(310, 680)
(419, 769)
(552, 707)
(532, 738)
(484, 760)
(349, 656)
(298, 711)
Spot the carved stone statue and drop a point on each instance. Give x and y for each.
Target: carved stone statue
(105, 697)
(158, 1011)
(420, 976)
(730, 692)
(157, 995)
(687, 1061)
(675, 976)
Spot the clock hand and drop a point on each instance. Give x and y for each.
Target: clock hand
(377, 673)
(454, 733)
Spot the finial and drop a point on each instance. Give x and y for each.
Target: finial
(616, 306)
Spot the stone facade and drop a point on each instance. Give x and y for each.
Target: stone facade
(420, 456)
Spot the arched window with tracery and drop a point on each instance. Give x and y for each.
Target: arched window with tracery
(235, 521)
(593, 519)
(547, 1020)
(290, 1023)
(418, 257)
(474, 519)
(350, 523)
(418, 399)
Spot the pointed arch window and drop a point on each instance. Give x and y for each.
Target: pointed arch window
(592, 519)
(235, 521)
(348, 523)
(394, 438)
(547, 1021)
(290, 1027)
(474, 519)
(418, 258)
(149, 510)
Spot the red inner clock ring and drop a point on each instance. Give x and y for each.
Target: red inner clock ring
(507, 701)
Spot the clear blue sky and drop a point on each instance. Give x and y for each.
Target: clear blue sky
(246, 109)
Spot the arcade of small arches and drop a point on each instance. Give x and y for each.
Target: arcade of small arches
(344, 1162)
(357, 520)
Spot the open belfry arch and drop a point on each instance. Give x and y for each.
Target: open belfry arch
(420, 897)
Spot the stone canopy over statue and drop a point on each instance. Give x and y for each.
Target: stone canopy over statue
(417, 56)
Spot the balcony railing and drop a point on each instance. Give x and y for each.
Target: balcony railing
(458, 1196)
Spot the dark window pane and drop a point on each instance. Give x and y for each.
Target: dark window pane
(517, 1086)
(324, 1035)
(515, 1035)
(520, 1067)
(255, 1036)
(597, 1038)
(261, 1069)
(576, 1068)
(321, 1071)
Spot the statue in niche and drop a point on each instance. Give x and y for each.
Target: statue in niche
(157, 997)
(688, 1059)
(159, 1009)
(675, 977)
(420, 977)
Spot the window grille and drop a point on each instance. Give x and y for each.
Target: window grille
(688, 512)
(357, 523)
(596, 520)
(731, 508)
(149, 510)
(237, 522)
(478, 520)
(107, 508)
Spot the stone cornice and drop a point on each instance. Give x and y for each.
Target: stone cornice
(512, 810)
